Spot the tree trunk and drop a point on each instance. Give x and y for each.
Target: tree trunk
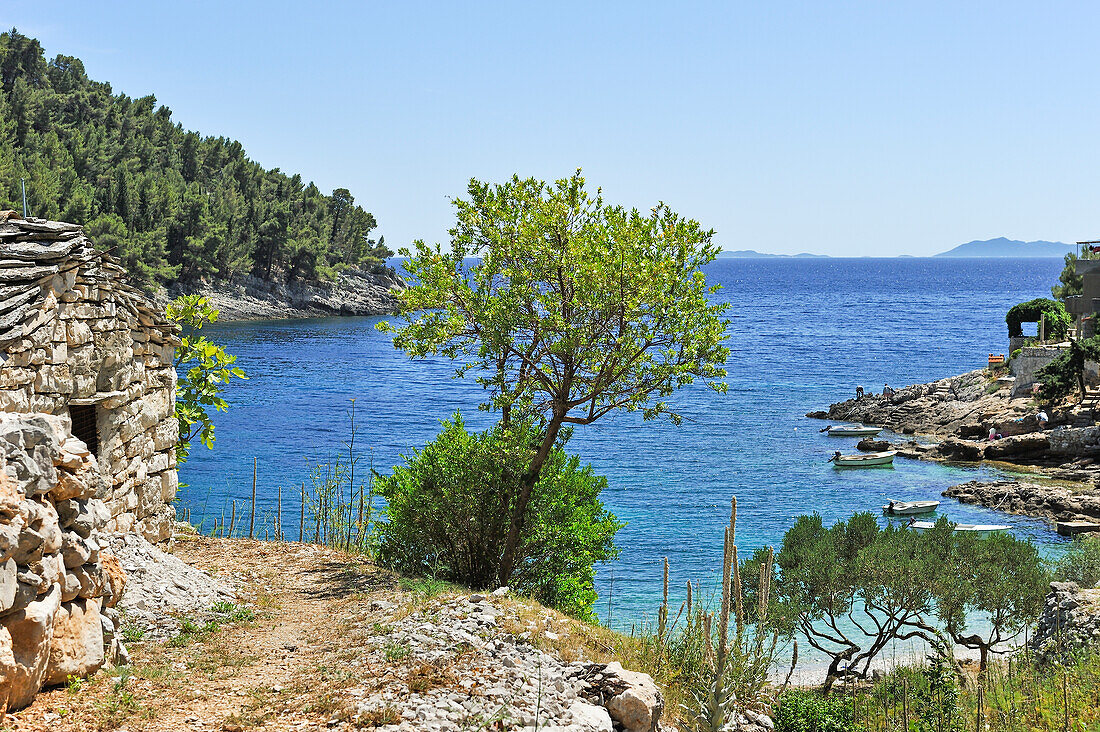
(833, 673)
(519, 511)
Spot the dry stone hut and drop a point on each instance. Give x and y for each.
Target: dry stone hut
(79, 343)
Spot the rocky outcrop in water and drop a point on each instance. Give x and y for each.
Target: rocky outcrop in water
(355, 292)
(1030, 499)
(960, 406)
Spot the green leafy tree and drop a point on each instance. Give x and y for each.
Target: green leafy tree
(1065, 375)
(447, 514)
(573, 308)
(1080, 563)
(203, 369)
(1051, 311)
(852, 589)
(179, 206)
(998, 581)
(1069, 282)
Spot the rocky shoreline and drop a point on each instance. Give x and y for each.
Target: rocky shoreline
(355, 292)
(954, 416)
(1027, 498)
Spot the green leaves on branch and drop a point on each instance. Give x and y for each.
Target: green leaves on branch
(1069, 282)
(565, 308)
(573, 308)
(203, 369)
(1054, 312)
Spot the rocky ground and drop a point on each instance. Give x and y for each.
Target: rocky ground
(356, 292)
(300, 637)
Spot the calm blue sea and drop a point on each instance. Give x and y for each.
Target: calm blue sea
(804, 333)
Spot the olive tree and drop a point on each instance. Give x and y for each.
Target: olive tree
(852, 589)
(999, 580)
(565, 308)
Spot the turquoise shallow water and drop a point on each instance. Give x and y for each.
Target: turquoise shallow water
(804, 334)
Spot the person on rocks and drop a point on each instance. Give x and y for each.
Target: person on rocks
(1043, 419)
(859, 392)
(887, 391)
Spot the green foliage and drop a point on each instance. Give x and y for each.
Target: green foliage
(573, 309)
(1013, 695)
(448, 507)
(1080, 563)
(1057, 319)
(989, 589)
(827, 575)
(929, 695)
(1065, 375)
(1070, 283)
(575, 304)
(172, 204)
(801, 710)
(203, 369)
(852, 589)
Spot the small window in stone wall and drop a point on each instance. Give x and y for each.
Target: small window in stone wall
(84, 425)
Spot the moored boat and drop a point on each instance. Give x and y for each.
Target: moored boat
(909, 508)
(974, 528)
(865, 460)
(852, 430)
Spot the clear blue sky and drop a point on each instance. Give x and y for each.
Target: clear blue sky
(872, 128)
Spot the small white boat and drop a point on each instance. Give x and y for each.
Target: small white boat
(975, 528)
(909, 508)
(865, 460)
(853, 430)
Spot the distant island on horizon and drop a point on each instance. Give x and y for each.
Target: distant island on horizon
(1004, 247)
(1001, 247)
(751, 254)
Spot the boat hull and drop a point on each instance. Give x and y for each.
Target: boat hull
(980, 529)
(870, 460)
(854, 431)
(910, 508)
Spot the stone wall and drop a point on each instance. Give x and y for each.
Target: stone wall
(1075, 441)
(1069, 624)
(55, 584)
(74, 334)
(1030, 360)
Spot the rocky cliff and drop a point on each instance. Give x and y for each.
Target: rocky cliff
(355, 292)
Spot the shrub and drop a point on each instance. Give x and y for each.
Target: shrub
(449, 507)
(1057, 319)
(1065, 374)
(1081, 563)
(810, 711)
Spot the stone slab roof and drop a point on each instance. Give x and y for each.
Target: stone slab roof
(40, 258)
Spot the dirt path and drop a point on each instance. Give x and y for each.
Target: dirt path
(282, 668)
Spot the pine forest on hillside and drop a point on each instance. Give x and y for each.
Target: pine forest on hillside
(171, 204)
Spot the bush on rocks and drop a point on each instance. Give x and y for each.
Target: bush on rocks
(448, 510)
